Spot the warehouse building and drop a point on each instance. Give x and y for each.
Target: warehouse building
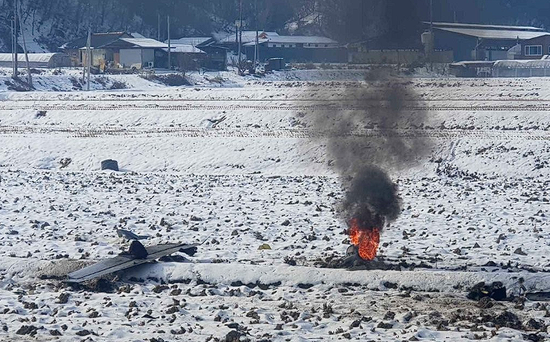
(490, 42)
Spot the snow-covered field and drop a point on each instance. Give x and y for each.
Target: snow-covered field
(240, 167)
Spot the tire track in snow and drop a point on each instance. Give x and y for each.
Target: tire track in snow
(283, 105)
(190, 132)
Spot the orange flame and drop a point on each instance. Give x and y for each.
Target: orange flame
(366, 239)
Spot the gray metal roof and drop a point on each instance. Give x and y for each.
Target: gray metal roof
(495, 34)
(184, 48)
(145, 42)
(295, 40)
(480, 26)
(194, 41)
(33, 57)
(247, 36)
(302, 39)
(474, 63)
(98, 40)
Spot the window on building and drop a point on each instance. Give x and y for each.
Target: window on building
(326, 45)
(533, 50)
(316, 45)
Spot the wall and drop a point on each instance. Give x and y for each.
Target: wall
(397, 57)
(217, 58)
(130, 58)
(544, 41)
(462, 46)
(190, 61)
(147, 55)
(300, 55)
(491, 55)
(521, 72)
(60, 60)
(305, 46)
(23, 64)
(74, 55)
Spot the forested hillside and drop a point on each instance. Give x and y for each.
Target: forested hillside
(50, 23)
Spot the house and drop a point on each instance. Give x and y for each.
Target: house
(185, 55)
(272, 45)
(222, 45)
(534, 48)
(75, 49)
(231, 40)
(301, 49)
(116, 49)
(37, 60)
(135, 53)
(490, 42)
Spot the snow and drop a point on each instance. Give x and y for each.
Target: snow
(64, 80)
(226, 164)
(427, 281)
(32, 36)
(193, 41)
(182, 48)
(145, 42)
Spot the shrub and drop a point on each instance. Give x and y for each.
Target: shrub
(77, 84)
(171, 80)
(118, 85)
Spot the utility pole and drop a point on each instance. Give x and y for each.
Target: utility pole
(89, 59)
(432, 39)
(256, 46)
(169, 47)
(13, 51)
(29, 75)
(158, 27)
(431, 16)
(240, 34)
(15, 34)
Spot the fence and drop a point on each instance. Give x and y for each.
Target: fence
(518, 68)
(398, 57)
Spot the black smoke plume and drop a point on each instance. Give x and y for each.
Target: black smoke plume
(372, 198)
(375, 132)
(371, 136)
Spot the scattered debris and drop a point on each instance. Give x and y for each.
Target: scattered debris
(40, 114)
(496, 291)
(137, 250)
(519, 251)
(27, 330)
(264, 246)
(137, 255)
(64, 162)
(129, 235)
(109, 164)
